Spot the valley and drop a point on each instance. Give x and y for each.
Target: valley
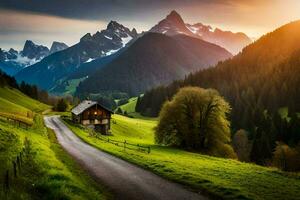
(146, 102)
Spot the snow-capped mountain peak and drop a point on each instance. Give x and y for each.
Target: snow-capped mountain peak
(173, 24)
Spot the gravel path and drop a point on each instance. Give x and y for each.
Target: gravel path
(125, 180)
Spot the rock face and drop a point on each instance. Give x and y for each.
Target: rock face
(60, 64)
(57, 46)
(173, 24)
(13, 61)
(33, 51)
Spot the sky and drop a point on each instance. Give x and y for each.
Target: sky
(44, 21)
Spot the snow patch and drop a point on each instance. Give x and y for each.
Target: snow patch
(89, 60)
(110, 38)
(111, 52)
(126, 40)
(193, 29)
(25, 60)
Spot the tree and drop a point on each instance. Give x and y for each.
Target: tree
(61, 105)
(241, 145)
(286, 158)
(196, 119)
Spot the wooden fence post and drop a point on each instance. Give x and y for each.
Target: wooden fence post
(148, 150)
(124, 145)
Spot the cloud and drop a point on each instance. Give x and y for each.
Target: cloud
(104, 9)
(16, 27)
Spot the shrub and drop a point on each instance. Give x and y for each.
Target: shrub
(286, 158)
(241, 145)
(196, 119)
(61, 105)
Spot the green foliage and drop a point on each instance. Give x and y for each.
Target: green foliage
(61, 105)
(241, 145)
(119, 111)
(287, 158)
(196, 119)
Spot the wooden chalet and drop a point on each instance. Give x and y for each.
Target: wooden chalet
(91, 113)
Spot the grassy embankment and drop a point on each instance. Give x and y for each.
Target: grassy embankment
(48, 173)
(218, 177)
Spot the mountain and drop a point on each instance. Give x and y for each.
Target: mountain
(57, 66)
(173, 24)
(13, 61)
(234, 42)
(33, 51)
(264, 76)
(57, 46)
(151, 60)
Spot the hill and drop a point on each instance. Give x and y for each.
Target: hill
(151, 60)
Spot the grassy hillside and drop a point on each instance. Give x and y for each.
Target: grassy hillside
(47, 172)
(219, 177)
(130, 109)
(22, 103)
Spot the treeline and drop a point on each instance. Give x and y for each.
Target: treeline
(262, 85)
(58, 103)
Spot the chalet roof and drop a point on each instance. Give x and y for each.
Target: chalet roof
(85, 105)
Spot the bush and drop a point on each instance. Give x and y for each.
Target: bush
(242, 145)
(61, 105)
(286, 158)
(196, 119)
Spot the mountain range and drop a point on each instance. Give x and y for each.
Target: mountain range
(13, 61)
(57, 66)
(152, 60)
(107, 55)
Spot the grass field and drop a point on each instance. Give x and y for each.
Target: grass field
(49, 172)
(218, 177)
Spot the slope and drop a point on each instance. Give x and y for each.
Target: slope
(152, 60)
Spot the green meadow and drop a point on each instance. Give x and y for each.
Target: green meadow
(217, 177)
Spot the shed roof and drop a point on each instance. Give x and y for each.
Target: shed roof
(85, 105)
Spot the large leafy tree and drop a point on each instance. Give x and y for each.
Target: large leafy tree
(196, 119)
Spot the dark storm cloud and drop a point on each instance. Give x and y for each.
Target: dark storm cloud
(97, 9)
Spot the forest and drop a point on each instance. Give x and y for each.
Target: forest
(262, 86)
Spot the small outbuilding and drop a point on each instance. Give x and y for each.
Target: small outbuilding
(91, 113)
